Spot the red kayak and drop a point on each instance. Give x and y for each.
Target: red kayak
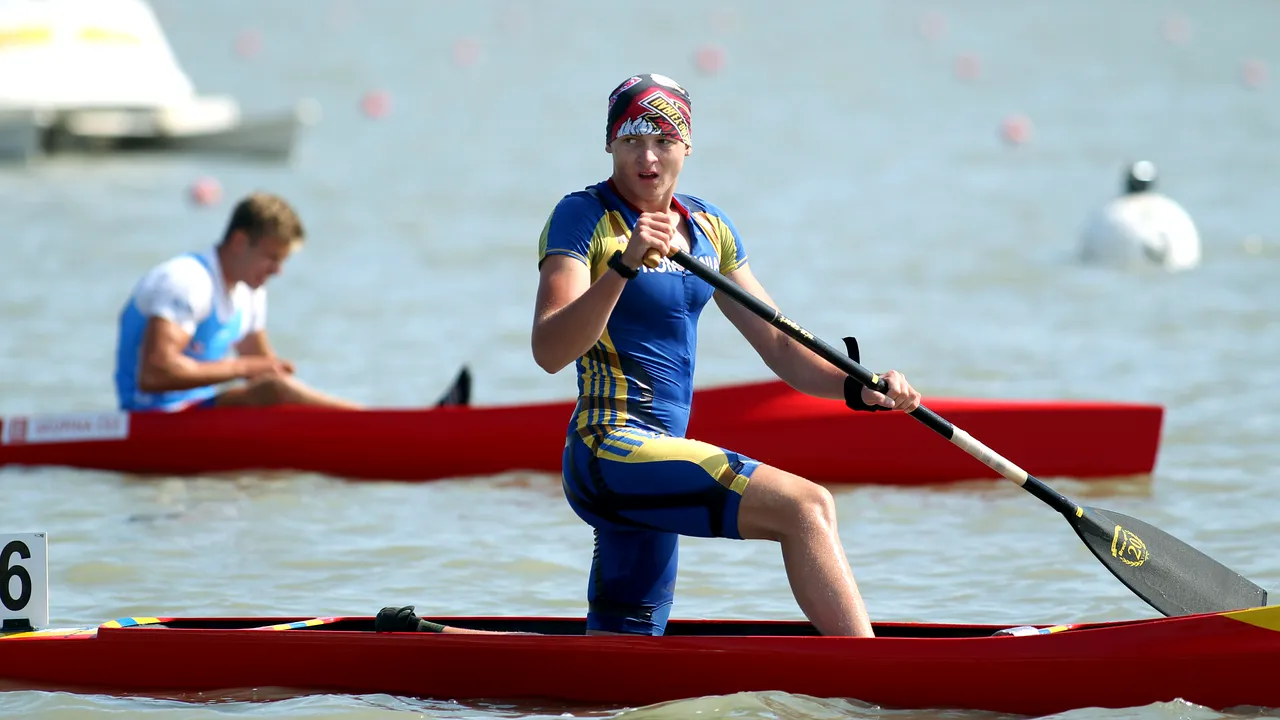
(815, 438)
(1218, 660)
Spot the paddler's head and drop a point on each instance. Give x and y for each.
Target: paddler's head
(649, 135)
(1139, 177)
(263, 232)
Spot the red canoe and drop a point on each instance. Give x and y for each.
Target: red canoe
(815, 438)
(1217, 660)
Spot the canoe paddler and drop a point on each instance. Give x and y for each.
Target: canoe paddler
(193, 332)
(611, 300)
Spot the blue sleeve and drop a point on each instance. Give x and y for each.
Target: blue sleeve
(570, 228)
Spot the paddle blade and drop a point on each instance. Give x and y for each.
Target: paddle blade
(459, 393)
(1173, 577)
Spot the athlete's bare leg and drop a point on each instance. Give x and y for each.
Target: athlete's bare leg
(279, 390)
(801, 515)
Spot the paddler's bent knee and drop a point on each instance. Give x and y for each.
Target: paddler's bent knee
(275, 390)
(264, 391)
(779, 504)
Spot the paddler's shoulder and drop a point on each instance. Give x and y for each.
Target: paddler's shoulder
(184, 269)
(587, 201)
(696, 204)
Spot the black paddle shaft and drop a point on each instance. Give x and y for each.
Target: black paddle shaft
(1173, 577)
(931, 419)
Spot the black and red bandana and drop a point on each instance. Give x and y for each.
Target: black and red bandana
(650, 105)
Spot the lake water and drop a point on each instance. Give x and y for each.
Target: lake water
(876, 198)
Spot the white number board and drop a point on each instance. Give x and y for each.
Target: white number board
(24, 581)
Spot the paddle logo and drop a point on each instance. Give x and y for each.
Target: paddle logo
(1128, 548)
(791, 324)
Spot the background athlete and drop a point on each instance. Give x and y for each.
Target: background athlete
(185, 317)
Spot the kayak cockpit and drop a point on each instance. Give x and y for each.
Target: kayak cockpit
(550, 626)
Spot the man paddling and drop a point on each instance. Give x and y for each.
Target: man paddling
(193, 332)
(610, 300)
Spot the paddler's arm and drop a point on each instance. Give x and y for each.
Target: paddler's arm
(799, 366)
(570, 312)
(795, 364)
(164, 367)
(255, 343)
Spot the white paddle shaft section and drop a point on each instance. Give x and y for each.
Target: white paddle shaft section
(988, 456)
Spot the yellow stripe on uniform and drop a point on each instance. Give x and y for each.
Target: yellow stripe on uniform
(604, 385)
(659, 448)
(600, 365)
(610, 234)
(606, 388)
(622, 442)
(589, 402)
(600, 238)
(722, 240)
(588, 388)
(615, 412)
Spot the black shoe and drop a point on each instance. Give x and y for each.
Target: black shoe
(459, 393)
(393, 619)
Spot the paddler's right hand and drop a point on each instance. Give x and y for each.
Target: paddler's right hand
(653, 233)
(260, 365)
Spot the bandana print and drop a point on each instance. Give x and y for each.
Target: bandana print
(649, 105)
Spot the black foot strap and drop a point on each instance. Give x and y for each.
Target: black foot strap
(393, 619)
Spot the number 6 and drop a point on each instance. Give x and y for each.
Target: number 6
(19, 548)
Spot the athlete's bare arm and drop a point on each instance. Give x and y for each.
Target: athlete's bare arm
(163, 366)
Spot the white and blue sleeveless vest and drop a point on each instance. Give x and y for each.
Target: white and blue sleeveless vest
(212, 340)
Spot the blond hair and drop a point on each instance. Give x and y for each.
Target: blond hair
(262, 215)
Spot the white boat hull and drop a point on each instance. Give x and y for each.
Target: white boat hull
(270, 136)
(23, 136)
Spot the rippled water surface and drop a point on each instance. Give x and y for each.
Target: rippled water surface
(875, 198)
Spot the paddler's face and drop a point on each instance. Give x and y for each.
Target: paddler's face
(647, 166)
(260, 260)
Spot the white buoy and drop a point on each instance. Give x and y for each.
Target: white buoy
(1141, 226)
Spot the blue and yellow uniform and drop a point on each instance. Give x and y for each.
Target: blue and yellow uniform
(628, 469)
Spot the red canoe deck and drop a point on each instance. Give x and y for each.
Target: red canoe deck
(1219, 660)
(815, 438)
